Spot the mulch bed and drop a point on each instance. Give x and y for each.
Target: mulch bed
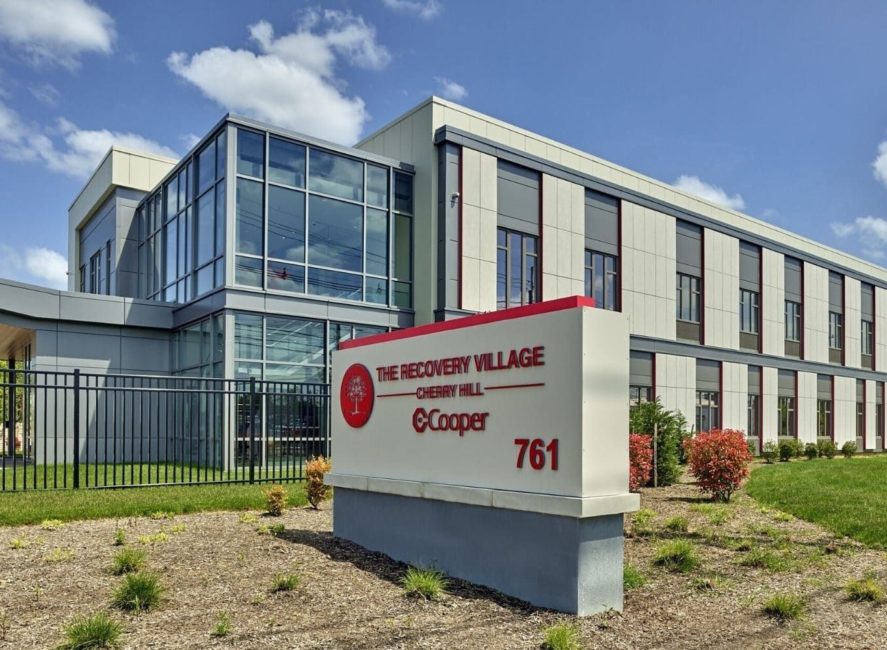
(350, 598)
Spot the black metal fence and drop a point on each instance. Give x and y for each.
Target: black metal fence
(87, 430)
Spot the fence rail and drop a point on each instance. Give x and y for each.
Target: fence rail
(76, 430)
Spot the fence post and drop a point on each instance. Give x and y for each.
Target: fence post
(76, 428)
(252, 430)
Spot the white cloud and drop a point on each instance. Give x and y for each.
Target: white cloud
(870, 233)
(879, 166)
(711, 193)
(425, 10)
(449, 89)
(45, 94)
(56, 31)
(65, 148)
(37, 265)
(189, 140)
(291, 80)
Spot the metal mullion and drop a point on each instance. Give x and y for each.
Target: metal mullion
(307, 215)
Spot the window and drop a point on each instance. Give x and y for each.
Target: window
(879, 414)
(867, 327)
(83, 279)
(107, 278)
(792, 321)
(335, 234)
(754, 416)
(377, 186)
(748, 311)
(868, 338)
(95, 272)
(639, 395)
(335, 175)
(640, 378)
(601, 279)
(517, 271)
(786, 416)
(688, 298)
(835, 330)
(250, 153)
(286, 224)
(824, 418)
(286, 162)
(860, 420)
(707, 416)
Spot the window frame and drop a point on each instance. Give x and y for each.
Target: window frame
(527, 297)
(795, 319)
(753, 309)
(835, 330)
(693, 290)
(610, 303)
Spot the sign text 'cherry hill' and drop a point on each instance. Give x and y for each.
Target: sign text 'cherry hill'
(527, 357)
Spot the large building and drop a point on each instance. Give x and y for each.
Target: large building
(262, 249)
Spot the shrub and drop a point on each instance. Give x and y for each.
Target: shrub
(128, 560)
(640, 460)
(96, 631)
(769, 452)
(827, 449)
(640, 523)
(138, 591)
(677, 524)
(284, 582)
(119, 537)
(317, 490)
(811, 450)
(786, 450)
(672, 427)
(849, 448)
(562, 636)
(678, 556)
(866, 589)
(223, 625)
(785, 607)
(275, 499)
(632, 578)
(424, 583)
(719, 460)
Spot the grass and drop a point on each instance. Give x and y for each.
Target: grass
(284, 582)
(677, 556)
(785, 607)
(632, 578)
(34, 507)
(716, 514)
(424, 583)
(677, 524)
(138, 591)
(59, 555)
(119, 537)
(865, 589)
(562, 636)
(847, 497)
(96, 631)
(759, 558)
(642, 522)
(156, 538)
(19, 543)
(223, 625)
(128, 560)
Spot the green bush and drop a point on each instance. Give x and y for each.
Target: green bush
(678, 556)
(811, 451)
(849, 449)
(827, 449)
(424, 583)
(672, 429)
(786, 450)
(138, 591)
(769, 452)
(562, 636)
(785, 607)
(97, 631)
(128, 560)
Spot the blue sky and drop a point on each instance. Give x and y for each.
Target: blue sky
(776, 108)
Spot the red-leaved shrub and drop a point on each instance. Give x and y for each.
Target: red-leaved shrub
(719, 460)
(640, 460)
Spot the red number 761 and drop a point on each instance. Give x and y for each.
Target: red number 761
(539, 452)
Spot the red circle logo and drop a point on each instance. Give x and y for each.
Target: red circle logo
(356, 395)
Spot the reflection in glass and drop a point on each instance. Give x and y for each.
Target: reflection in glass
(250, 153)
(249, 217)
(377, 242)
(294, 340)
(248, 271)
(403, 193)
(206, 167)
(336, 175)
(247, 336)
(205, 227)
(376, 291)
(335, 234)
(286, 224)
(286, 277)
(377, 186)
(286, 162)
(336, 285)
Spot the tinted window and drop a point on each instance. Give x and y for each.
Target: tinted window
(336, 175)
(286, 162)
(250, 153)
(335, 234)
(286, 224)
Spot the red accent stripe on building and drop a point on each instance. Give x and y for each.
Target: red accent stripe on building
(486, 318)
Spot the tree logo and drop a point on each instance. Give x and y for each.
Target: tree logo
(356, 395)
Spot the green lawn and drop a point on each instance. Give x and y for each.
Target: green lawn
(18, 508)
(849, 497)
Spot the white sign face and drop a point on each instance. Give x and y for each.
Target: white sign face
(533, 399)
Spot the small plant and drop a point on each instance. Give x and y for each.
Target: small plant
(275, 500)
(138, 591)
(156, 538)
(827, 449)
(784, 607)
(562, 636)
(849, 449)
(632, 578)
(317, 490)
(263, 529)
(677, 556)
(677, 524)
(276, 529)
(59, 555)
(223, 625)
(96, 631)
(719, 460)
(119, 537)
(641, 523)
(640, 460)
(160, 514)
(708, 583)
(248, 518)
(178, 529)
(787, 450)
(716, 514)
(18, 543)
(769, 452)
(284, 582)
(763, 559)
(811, 450)
(128, 560)
(783, 516)
(424, 583)
(866, 589)
(51, 524)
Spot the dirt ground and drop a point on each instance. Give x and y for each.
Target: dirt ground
(348, 598)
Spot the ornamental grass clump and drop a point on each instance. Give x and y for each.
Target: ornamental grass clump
(677, 556)
(317, 490)
(632, 578)
(424, 583)
(275, 500)
(866, 589)
(128, 560)
(87, 632)
(719, 460)
(138, 592)
(784, 607)
(562, 636)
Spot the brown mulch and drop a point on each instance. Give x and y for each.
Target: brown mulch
(350, 598)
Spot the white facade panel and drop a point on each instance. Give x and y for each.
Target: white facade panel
(721, 277)
(563, 238)
(648, 264)
(880, 329)
(770, 404)
(734, 388)
(871, 414)
(676, 384)
(815, 313)
(773, 302)
(852, 323)
(806, 407)
(479, 219)
(845, 410)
